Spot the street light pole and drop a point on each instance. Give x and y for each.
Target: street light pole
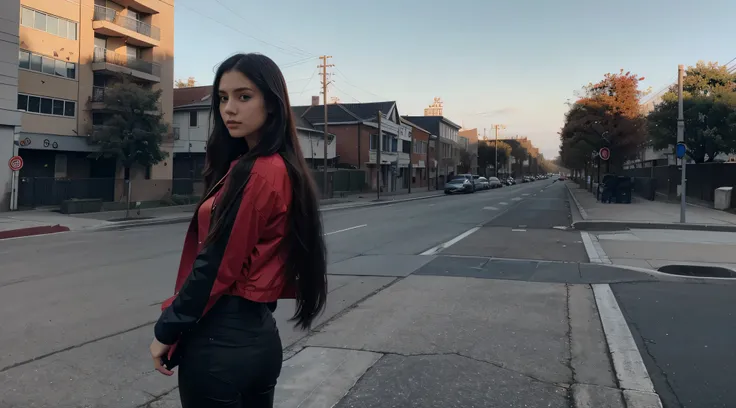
(681, 139)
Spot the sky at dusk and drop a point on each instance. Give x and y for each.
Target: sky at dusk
(514, 62)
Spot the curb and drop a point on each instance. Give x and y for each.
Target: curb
(188, 217)
(592, 225)
(31, 231)
(582, 211)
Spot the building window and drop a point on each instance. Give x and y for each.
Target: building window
(193, 119)
(374, 142)
(405, 146)
(46, 65)
(57, 26)
(46, 106)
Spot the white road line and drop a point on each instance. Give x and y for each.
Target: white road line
(440, 247)
(490, 208)
(630, 369)
(346, 229)
(525, 194)
(516, 199)
(503, 203)
(518, 230)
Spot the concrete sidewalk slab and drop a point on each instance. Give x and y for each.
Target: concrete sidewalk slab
(318, 377)
(519, 326)
(441, 381)
(653, 249)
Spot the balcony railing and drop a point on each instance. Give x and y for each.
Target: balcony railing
(108, 14)
(110, 57)
(98, 94)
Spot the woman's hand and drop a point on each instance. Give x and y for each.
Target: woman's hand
(159, 350)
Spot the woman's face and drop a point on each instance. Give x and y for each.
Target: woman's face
(242, 106)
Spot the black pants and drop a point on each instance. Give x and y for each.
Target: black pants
(233, 357)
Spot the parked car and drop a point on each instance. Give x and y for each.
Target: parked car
(459, 184)
(495, 182)
(511, 181)
(481, 183)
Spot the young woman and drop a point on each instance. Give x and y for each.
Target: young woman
(256, 237)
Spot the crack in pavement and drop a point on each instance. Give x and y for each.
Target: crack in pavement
(502, 366)
(156, 398)
(72, 347)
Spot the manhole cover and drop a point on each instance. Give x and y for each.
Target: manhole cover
(697, 270)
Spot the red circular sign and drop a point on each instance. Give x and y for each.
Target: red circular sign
(605, 153)
(15, 163)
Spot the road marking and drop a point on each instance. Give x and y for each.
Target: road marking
(503, 203)
(518, 230)
(560, 227)
(525, 194)
(630, 369)
(516, 199)
(440, 247)
(346, 229)
(490, 208)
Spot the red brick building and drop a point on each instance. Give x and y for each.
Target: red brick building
(423, 163)
(355, 127)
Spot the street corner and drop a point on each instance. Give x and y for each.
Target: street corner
(31, 231)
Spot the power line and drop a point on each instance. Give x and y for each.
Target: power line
(357, 87)
(237, 30)
(243, 18)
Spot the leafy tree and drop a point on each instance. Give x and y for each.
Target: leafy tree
(607, 115)
(487, 153)
(134, 131)
(709, 107)
(465, 161)
(190, 82)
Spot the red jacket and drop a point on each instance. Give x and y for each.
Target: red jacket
(247, 262)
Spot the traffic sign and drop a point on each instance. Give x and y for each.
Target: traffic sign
(15, 163)
(604, 153)
(680, 150)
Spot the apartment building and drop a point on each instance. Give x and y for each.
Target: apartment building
(9, 115)
(448, 150)
(69, 53)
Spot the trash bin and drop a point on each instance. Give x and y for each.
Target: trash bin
(624, 186)
(722, 198)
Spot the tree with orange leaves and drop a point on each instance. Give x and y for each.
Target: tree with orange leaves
(606, 115)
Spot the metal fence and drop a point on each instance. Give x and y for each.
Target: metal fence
(50, 191)
(111, 57)
(702, 179)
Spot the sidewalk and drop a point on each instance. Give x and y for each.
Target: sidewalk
(45, 221)
(647, 234)
(643, 213)
(460, 333)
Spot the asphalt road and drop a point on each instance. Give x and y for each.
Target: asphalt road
(686, 335)
(77, 308)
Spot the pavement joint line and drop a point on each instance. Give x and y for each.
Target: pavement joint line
(72, 347)
(627, 361)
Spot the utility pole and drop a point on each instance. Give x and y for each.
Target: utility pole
(681, 139)
(495, 166)
(411, 154)
(379, 136)
(324, 67)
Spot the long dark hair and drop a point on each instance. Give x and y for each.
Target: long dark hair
(306, 263)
